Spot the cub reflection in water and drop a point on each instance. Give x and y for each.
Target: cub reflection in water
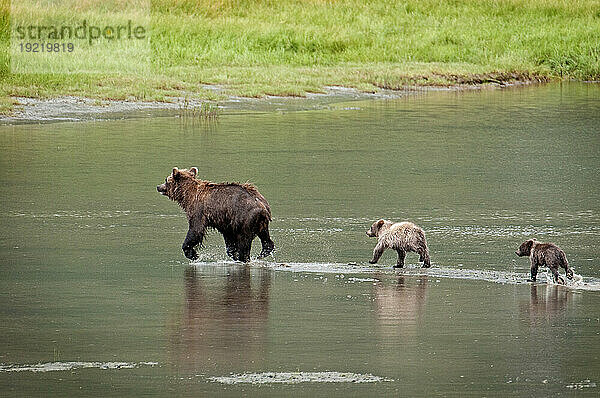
(546, 303)
(400, 305)
(545, 313)
(224, 320)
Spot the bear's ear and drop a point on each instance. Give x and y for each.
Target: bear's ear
(529, 243)
(176, 173)
(194, 171)
(380, 223)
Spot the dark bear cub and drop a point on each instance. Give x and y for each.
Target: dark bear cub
(238, 211)
(402, 237)
(545, 254)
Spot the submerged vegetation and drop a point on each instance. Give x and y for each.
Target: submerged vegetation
(291, 47)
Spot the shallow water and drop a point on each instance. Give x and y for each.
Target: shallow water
(98, 300)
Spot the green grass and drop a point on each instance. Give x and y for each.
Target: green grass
(291, 47)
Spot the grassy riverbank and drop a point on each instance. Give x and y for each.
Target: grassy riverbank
(290, 47)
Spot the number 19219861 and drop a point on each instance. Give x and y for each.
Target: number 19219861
(46, 47)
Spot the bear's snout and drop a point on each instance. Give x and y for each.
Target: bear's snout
(161, 188)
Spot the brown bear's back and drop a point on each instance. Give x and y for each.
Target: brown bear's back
(231, 206)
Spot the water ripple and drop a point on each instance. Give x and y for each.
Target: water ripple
(297, 377)
(62, 366)
(579, 282)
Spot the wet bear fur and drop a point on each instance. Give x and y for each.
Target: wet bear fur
(545, 254)
(238, 211)
(402, 237)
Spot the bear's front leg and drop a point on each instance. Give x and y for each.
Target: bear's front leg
(192, 239)
(534, 270)
(377, 252)
(401, 255)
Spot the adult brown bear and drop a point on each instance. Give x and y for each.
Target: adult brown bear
(238, 211)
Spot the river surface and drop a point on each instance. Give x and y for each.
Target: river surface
(97, 299)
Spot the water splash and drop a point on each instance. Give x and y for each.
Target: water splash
(352, 279)
(504, 277)
(581, 385)
(578, 282)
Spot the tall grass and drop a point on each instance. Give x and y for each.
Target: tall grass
(556, 37)
(289, 47)
(205, 111)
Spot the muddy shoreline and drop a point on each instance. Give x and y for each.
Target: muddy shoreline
(79, 109)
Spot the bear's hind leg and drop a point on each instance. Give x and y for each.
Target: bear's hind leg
(231, 247)
(244, 246)
(555, 275)
(569, 272)
(424, 257)
(267, 244)
(565, 264)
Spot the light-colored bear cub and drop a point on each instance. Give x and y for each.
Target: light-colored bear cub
(402, 237)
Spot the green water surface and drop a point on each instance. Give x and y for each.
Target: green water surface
(92, 270)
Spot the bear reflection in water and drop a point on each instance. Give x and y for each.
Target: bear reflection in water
(400, 306)
(546, 303)
(224, 319)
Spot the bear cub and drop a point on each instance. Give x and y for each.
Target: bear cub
(402, 237)
(545, 254)
(238, 211)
